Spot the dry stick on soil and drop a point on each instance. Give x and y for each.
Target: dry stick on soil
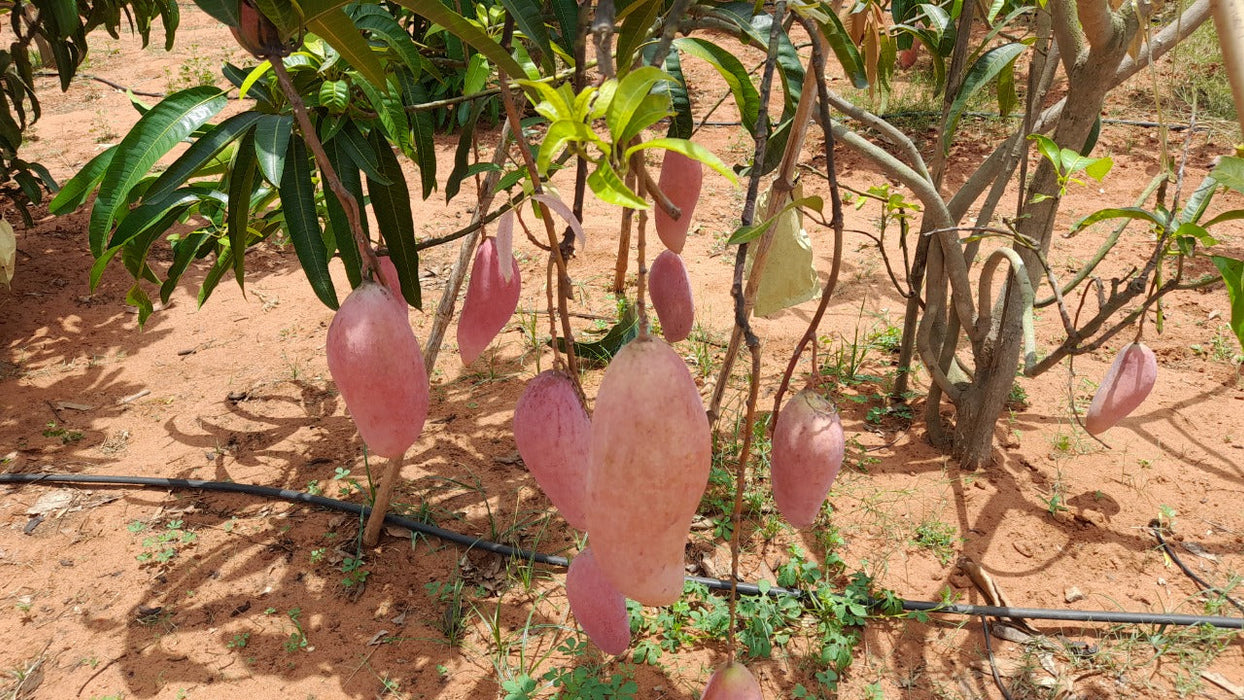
(836, 220)
(563, 280)
(780, 190)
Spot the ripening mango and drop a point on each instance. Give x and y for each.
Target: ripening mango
(553, 434)
(732, 682)
(376, 362)
(670, 290)
(806, 455)
(597, 605)
(650, 454)
(681, 178)
(1128, 381)
(490, 301)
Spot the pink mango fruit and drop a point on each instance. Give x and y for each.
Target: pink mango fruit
(650, 454)
(732, 682)
(597, 605)
(806, 455)
(376, 362)
(670, 289)
(490, 301)
(1128, 381)
(681, 178)
(553, 434)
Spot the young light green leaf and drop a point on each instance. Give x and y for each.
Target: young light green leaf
(606, 185)
(457, 25)
(630, 94)
(75, 190)
(692, 150)
(1230, 172)
(1135, 213)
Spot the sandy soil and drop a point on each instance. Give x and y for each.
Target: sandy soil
(151, 593)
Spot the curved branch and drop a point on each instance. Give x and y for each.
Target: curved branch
(955, 264)
(1019, 272)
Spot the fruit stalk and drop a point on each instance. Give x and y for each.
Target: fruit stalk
(371, 266)
(563, 279)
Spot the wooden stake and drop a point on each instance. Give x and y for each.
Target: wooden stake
(380, 506)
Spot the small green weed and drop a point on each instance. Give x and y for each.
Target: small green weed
(67, 437)
(161, 547)
(939, 538)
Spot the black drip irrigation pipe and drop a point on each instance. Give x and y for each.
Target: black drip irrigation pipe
(748, 589)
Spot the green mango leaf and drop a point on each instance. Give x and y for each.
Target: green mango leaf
(732, 71)
(359, 149)
(1232, 272)
(237, 222)
(683, 123)
(338, 30)
(388, 106)
(422, 129)
(457, 25)
(602, 351)
(692, 150)
(200, 153)
(1230, 172)
(272, 135)
(184, 250)
(1233, 215)
(637, 19)
(556, 137)
(1199, 201)
(391, 205)
(529, 17)
(749, 233)
(335, 95)
(649, 111)
(844, 49)
(301, 222)
(214, 274)
(1135, 213)
(462, 155)
(75, 190)
(381, 25)
(224, 11)
(137, 297)
(286, 15)
(338, 224)
(606, 185)
(1007, 99)
(153, 136)
(983, 71)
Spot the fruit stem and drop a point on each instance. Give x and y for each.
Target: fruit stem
(563, 279)
(624, 242)
(641, 306)
(835, 222)
(740, 486)
(380, 505)
(662, 200)
(371, 266)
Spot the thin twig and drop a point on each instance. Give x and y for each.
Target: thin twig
(563, 279)
(740, 486)
(993, 666)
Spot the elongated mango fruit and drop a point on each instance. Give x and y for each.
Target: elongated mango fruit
(597, 605)
(681, 178)
(670, 289)
(490, 301)
(732, 682)
(650, 454)
(1128, 381)
(806, 455)
(376, 362)
(553, 434)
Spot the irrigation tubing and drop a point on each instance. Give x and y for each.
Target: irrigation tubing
(749, 589)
